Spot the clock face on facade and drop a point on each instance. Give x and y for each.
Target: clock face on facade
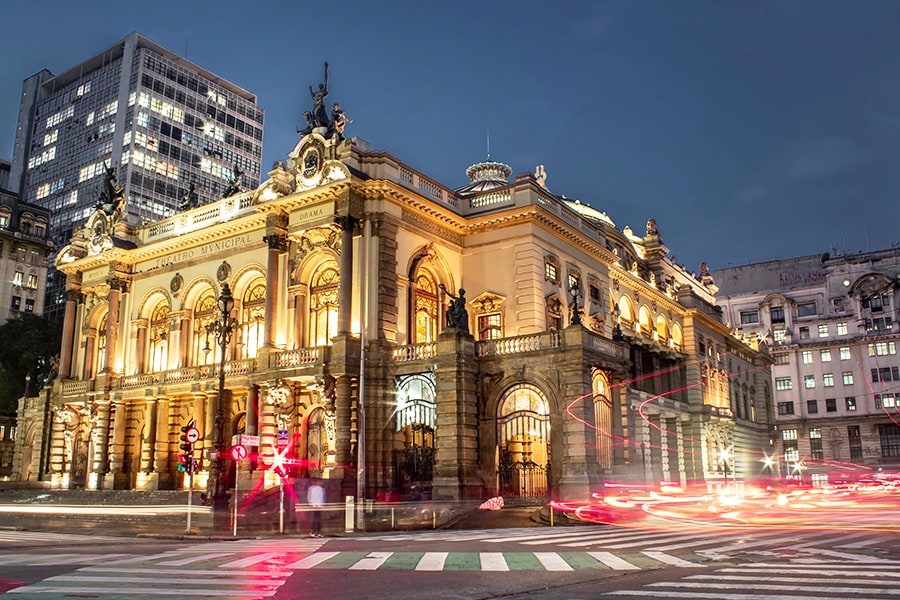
(310, 161)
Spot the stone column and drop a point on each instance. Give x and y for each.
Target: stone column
(276, 238)
(161, 440)
(116, 286)
(149, 442)
(343, 412)
(68, 333)
(345, 291)
(117, 454)
(140, 364)
(252, 423)
(100, 442)
(90, 344)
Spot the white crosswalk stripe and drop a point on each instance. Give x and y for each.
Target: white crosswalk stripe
(717, 544)
(43, 537)
(771, 581)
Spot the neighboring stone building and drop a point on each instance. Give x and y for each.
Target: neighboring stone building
(25, 248)
(831, 323)
(347, 270)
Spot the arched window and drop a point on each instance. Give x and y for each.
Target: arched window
(253, 314)
(316, 442)
(662, 330)
(204, 314)
(676, 336)
(603, 414)
(323, 305)
(159, 337)
(416, 402)
(426, 302)
(101, 345)
(646, 326)
(626, 313)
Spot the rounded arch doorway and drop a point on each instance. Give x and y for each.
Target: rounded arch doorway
(523, 443)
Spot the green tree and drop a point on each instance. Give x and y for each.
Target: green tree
(28, 346)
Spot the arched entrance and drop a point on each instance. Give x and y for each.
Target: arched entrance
(523, 443)
(414, 425)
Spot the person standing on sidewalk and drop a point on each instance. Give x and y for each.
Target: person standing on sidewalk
(315, 497)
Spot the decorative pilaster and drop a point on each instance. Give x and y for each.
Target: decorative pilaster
(73, 294)
(117, 457)
(345, 291)
(276, 239)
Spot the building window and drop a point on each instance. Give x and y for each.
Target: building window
(490, 327)
(815, 443)
(204, 314)
(779, 336)
(806, 357)
(885, 400)
(847, 376)
(782, 358)
(879, 324)
(855, 440)
(19, 278)
(812, 406)
(878, 302)
(323, 305)
(882, 349)
(841, 328)
(776, 313)
(886, 374)
(426, 299)
(789, 439)
(830, 405)
(594, 291)
(823, 330)
(29, 305)
(845, 353)
(804, 333)
(253, 314)
(551, 269)
(851, 403)
(784, 383)
(828, 379)
(785, 408)
(749, 316)
(32, 281)
(825, 355)
(16, 304)
(809, 382)
(807, 309)
(890, 439)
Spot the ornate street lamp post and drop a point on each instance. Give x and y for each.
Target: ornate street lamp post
(221, 329)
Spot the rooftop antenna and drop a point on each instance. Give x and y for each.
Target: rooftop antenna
(489, 145)
(185, 47)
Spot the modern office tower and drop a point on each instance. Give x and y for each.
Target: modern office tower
(177, 135)
(831, 324)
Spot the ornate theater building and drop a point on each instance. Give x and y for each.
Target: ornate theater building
(351, 312)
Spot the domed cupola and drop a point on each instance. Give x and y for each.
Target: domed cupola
(485, 176)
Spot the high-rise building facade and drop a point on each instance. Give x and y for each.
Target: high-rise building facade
(831, 324)
(176, 135)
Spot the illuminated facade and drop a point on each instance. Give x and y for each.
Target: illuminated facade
(462, 343)
(174, 131)
(831, 324)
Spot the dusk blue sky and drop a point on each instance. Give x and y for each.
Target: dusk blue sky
(749, 130)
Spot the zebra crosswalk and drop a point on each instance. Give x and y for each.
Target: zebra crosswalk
(710, 544)
(768, 581)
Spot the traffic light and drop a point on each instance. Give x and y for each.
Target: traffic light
(189, 435)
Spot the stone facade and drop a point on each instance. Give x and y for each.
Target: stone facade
(831, 323)
(577, 353)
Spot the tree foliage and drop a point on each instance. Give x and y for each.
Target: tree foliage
(28, 346)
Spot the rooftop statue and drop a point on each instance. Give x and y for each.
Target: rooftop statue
(234, 186)
(457, 315)
(318, 119)
(112, 197)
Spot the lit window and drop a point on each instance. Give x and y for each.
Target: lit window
(489, 327)
(779, 336)
(19, 278)
(551, 269)
(809, 381)
(882, 349)
(851, 403)
(841, 328)
(426, 307)
(32, 281)
(783, 383)
(845, 353)
(823, 330)
(825, 355)
(806, 357)
(828, 380)
(847, 377)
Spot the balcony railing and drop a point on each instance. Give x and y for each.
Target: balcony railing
(298, 358)
(415, 352)
(516, 345)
